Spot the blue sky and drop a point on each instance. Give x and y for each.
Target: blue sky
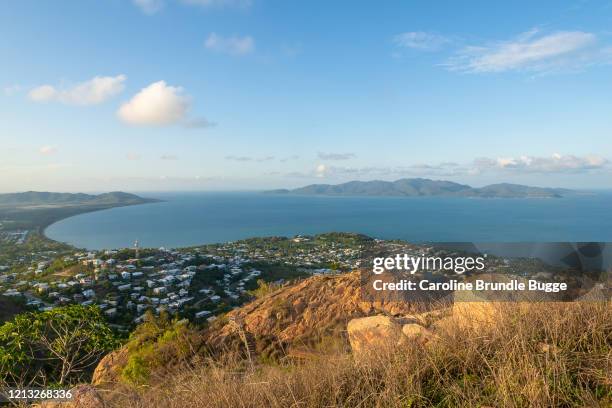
(251, 94)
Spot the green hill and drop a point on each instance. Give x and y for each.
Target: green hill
(38, 198)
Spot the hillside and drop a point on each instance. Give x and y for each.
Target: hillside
(291, 348)
(37, 198)
(418, 187)
(34, 210)
(280, 324)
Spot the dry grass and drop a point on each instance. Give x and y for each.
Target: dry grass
(543, 355)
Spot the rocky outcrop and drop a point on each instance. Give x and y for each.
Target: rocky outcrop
(373, 332)
(109, 368)
(377, 332)
(303, 314)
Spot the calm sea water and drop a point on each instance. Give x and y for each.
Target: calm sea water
(195, 218)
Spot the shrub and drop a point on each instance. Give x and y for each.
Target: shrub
(155, 344)
(61, 346)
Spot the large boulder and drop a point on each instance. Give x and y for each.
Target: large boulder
(371, 332)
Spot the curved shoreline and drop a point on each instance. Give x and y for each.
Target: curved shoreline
(42, 229)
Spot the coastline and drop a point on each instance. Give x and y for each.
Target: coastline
(42, 228)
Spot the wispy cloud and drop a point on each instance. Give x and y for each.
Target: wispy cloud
(288, 158)
(11, 90)
(219, 3)
(149, 6)
(556, 163)
(91, 92)
(420, 40)
(47, 150)
(199, 123)
(291, 50)
(232, 45)
(21, 170)
(530, 51)
(249, 158)
(335, 156)
(168, 157)
(132, 156)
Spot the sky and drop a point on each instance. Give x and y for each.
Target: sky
(176, 95)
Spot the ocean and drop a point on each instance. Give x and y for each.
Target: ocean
(186, 219)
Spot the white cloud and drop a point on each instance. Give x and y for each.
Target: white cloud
(234, 45)
(321, 170)
(92, 92)
(149, 6)
(43, 93)
(132, 156)
(168, 157)
(556, 163)
(47, 150)
(420, 40)
(156, 105)
(530, 52)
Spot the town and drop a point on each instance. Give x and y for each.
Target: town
(197, 283)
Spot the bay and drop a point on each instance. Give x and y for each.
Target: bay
(186, 219)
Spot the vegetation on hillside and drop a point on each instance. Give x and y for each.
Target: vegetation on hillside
(37, 198)
(57, 347)
(158, 342)
(540, 355)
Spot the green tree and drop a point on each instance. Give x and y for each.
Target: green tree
(61, 346)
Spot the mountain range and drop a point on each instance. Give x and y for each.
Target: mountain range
(415, 187)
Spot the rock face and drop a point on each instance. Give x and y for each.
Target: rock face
(303, 314)
(373, 332)
(109, 368)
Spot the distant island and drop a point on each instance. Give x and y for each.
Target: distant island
(419, 187)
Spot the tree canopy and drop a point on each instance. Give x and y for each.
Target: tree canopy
(60, 346)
